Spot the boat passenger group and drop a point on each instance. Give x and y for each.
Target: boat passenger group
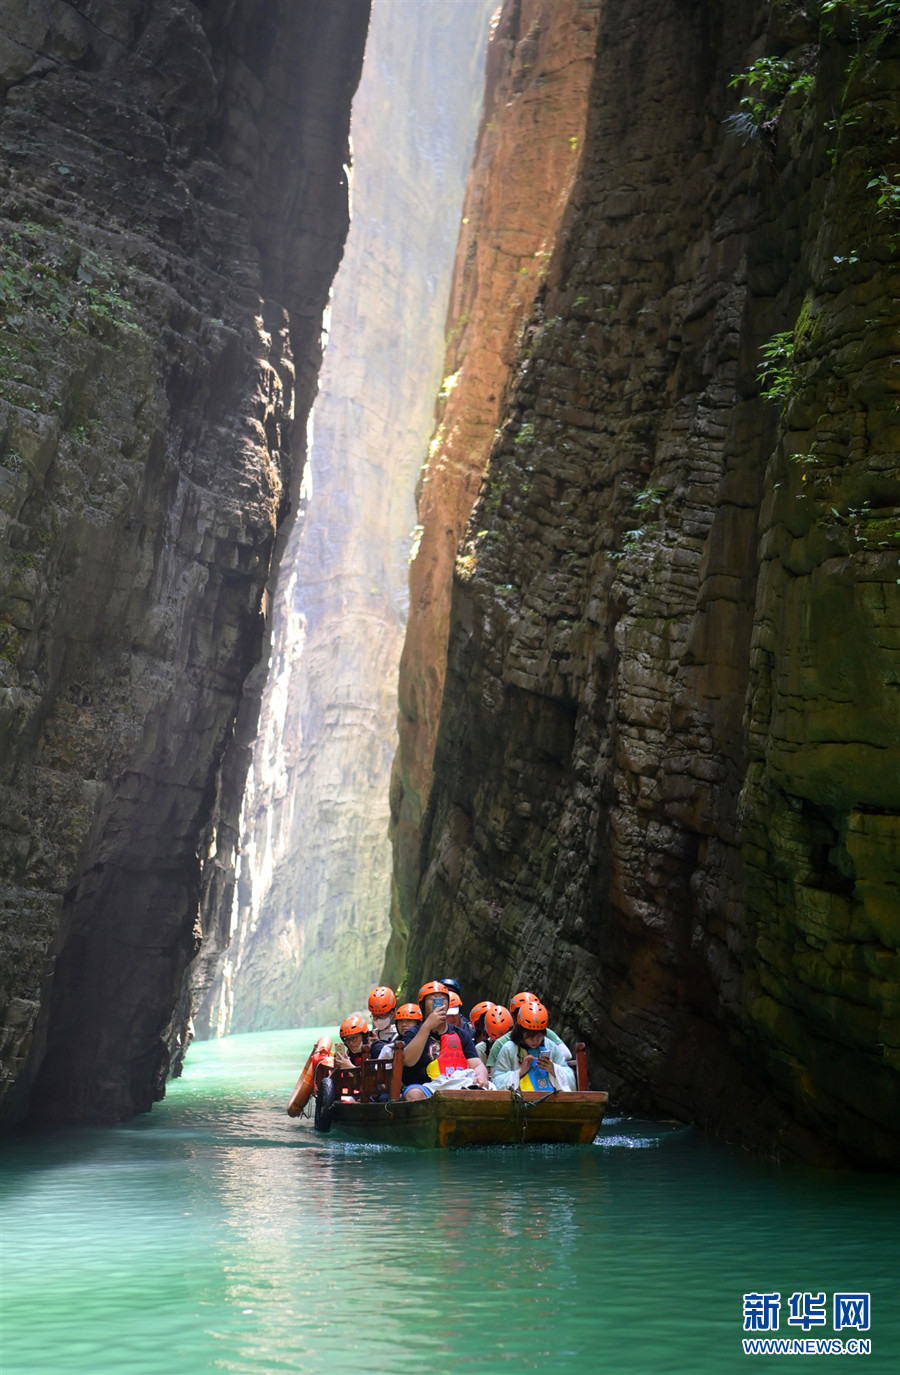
(495, 1047)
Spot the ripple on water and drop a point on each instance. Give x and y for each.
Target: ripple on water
(217, 1234)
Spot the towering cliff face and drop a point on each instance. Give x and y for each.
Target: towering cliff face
(311, 922)
(174, 205)
(540, 62)
(666, 786)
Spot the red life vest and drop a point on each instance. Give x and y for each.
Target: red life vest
(450, 1055)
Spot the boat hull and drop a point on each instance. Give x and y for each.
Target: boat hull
(465, 1118)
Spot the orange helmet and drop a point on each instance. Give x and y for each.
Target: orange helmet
(520, 998)
(532, 1016)
(354, 1026)
(432, 987)
(409, 1012)
(497, 1021)
(455, 999)
(382, 1000)
(478, 1011)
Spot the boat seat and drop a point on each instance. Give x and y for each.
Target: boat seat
(376, 1079)
(346, 1083)
(370, 1081)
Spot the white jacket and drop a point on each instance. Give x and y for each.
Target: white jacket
(505, 1074)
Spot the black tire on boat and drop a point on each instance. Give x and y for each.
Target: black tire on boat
(324, 1104)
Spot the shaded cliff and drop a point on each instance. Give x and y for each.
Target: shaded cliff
(311, 920)
(174, 203)
(666, 776)
(539, 68)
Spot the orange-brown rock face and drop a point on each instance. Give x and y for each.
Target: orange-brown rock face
(665, 780)
(540, 62)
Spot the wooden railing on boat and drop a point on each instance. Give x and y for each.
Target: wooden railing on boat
(581, 1079)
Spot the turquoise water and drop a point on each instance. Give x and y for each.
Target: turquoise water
(216, 1234)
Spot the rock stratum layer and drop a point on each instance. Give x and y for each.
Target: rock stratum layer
(174, 203)
(311, 920)
(666, 789)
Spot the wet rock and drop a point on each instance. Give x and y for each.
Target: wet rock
(673, 627)
(173, 209)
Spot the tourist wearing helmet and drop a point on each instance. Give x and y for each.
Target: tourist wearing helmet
(437, 1055)
(354, 1034)
(409, 1017)
(382, 1004)
(457, 1017)
(476, 1017)
(496, 1022)
(528, 1060)
(515, 1003)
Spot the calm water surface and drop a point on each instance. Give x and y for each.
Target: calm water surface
(216, 1234)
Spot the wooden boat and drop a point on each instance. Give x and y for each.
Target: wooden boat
(367, 1103)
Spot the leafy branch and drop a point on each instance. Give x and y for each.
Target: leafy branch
(776, 373)
(769, 81)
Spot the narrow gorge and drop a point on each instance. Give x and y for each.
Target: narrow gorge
(648, 743)
(313, 895)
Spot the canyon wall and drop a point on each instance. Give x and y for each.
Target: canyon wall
(539, 68)
(311, 917)
(665, 783)
(174, 202)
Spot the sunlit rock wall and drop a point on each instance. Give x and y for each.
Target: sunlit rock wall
(530, 139)
(666, 777)
(174, 202)
(313, 892)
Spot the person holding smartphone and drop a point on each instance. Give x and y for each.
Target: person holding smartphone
(437, 1055)
(354, 1034)
(549, 1035)
(529, 1062)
